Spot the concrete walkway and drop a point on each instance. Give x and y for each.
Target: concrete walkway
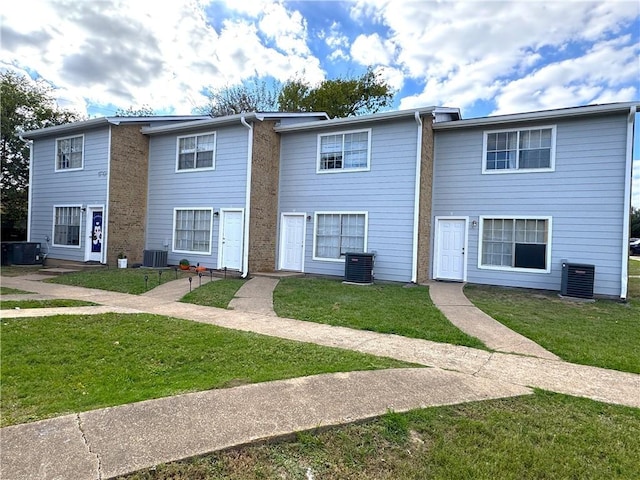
(108, 442)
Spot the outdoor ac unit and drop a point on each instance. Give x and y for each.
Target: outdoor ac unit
(358, 267)
(577, 280)
(21, 253)
(154, 258)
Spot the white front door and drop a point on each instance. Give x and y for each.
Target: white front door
(451, 240)
(292, 242)
(231, 233)
(94, 235)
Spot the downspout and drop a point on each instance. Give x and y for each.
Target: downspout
(30, 197)
(416, 200)
(626, 214)
(247, 213)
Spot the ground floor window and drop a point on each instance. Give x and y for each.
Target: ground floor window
(66, 226)
(192, 230)
(339, 233)
(515, 243)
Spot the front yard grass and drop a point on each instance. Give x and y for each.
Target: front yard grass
(540, 436)
(61, 364)
(49, 303)
(123, 280)
(604, 333)
(214, 294)
(384, 308)
(12, 291)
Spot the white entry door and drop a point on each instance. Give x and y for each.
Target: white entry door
(94, 235)
(292, 234)
(451, 241)
(231, 233)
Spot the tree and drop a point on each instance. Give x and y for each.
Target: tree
(25, 106)
(342, 97)
(252, 95)
(144, 111)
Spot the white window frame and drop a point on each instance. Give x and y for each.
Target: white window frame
(315, 232)
(57, 167)
(552, 164)
(53, 227)
(342, 170)
(196, 169)
(173, 231)
(549, 221)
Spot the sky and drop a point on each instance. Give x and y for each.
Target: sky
(484, 57)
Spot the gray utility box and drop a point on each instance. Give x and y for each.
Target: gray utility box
(577, 280)
(154, 258)
(358, 267)
(21, 253)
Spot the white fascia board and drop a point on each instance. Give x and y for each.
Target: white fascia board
(374, 117)
(539, 115)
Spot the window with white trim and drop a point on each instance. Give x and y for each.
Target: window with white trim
(344, 151)
(196, 152)
(66, 226)
(192, 230)
(515, 243)
(339, 233)
(70, 153)
(519, 150)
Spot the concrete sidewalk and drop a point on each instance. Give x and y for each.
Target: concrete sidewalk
(111, 441)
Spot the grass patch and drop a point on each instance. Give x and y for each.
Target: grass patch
(214, 294)
(56, 365)
(604, 333)
(123, 280)
(544, 435)
(18, 270)
(49, 303)
(634, 267)
(384, 308)
(12, 291)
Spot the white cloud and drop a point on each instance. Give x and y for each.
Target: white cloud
(371, 50)
(337, 41)
(133, 53)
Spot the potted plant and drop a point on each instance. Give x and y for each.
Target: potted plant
(184, 264)
(122, 260)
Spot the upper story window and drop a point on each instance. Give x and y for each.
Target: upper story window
(70, 153)
(196, 152)
(346, 151)
(508, 151)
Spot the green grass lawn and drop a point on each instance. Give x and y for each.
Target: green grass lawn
(604, 333)
(123, 280)
(49, 303)
(214, 294)
(385, 308)
(541, 436)
(12, 291)
(55, 365)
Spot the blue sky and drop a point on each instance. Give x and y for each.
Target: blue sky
(484, 57)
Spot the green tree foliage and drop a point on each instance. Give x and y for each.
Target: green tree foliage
(253, 95)
(635, 222)
(26, 105)
(144, 111)
(341, 97)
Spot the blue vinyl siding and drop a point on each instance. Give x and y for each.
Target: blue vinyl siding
(584, 197)
(78, 187)
(386, 193)
(223, 187)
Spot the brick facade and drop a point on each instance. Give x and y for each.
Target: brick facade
(128, 180)
(426, 190)
(264, 198)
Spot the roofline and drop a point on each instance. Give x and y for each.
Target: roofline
(100, 121)
(539, 115)
(373, 117)
(229, 120)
